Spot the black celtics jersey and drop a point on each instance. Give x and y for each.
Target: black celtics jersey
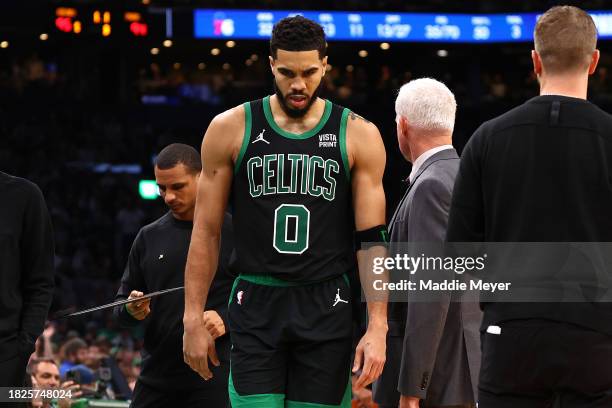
(293, 216)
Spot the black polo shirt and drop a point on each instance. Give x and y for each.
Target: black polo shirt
(541, 172)
(157, 261)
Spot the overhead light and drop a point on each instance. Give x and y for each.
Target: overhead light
(385, 46)
(106, 30)
(363, 53)
(215, 51)
(201, 65)
(230, 44)
(44, 37)
(4, 44)
(442, 53)
(167, 43)
(154, 51)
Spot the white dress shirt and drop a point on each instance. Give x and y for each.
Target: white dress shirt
(423, 157)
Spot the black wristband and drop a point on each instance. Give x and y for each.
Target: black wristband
(378, 233)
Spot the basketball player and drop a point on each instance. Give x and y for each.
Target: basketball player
(304, 174)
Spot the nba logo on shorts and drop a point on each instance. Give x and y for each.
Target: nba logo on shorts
(239, 297)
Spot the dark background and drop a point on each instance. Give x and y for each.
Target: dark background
(72, 106)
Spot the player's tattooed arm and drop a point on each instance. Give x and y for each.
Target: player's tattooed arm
(355, 116)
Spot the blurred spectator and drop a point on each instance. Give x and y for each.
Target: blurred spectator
(45, 374)
(75, 353)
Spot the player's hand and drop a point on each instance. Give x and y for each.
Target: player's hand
(370, 356)
(198, 347)
(362, 396)
(214, 324)
(409, 402)
(138, 310)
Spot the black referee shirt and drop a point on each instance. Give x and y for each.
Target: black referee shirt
(157, 261)
(541, 172)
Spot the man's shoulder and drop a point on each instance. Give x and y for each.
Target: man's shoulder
(159, 224)
(18, 185)
(230, 121)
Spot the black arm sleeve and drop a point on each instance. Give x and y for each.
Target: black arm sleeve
(132, 279)
(37, 255)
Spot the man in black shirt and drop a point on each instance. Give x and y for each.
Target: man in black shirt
(157, 261)
(26, 274)
(543, 173)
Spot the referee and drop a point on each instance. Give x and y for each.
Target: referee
(543, 173)
(157, 261)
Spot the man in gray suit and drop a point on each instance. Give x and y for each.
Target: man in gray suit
(438, 341)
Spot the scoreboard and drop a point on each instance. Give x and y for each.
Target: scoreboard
(376, 26)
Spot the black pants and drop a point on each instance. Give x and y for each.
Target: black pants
(13, 374)
(212, 396)
(539, 363)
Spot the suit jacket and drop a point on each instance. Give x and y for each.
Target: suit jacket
(433, 348)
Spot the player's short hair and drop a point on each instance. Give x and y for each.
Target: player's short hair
(297, 34)
(427, 104)
(565, 37)
(179, 153)
(33, 365)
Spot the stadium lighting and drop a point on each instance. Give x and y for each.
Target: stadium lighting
(154, 51)
(230, 44)
(106, 30)
(44, 37)
(215, 51)
(442, 53)
(167, 43)
(363, 53)
(385, 46)
(148, 189)
(4, 44)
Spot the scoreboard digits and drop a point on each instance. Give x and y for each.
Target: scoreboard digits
(376, 26)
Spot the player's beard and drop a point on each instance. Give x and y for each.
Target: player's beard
(292, 112)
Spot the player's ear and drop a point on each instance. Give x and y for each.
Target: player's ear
(271, 63)
(324, 64)
(594, 61)
(537, 62)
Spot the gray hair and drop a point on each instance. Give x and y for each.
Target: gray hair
(427, 104)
